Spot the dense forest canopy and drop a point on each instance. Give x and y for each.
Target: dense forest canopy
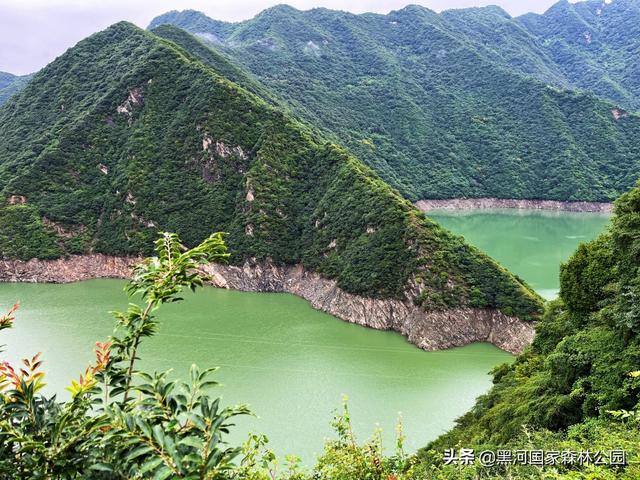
(467, 103)
(595, 45)
(10, 84)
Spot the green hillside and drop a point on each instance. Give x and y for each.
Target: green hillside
(6, 79)
(134, 135)
(10, 84)
(591, 45)
(467, 103)
(595, 44)
(574, 385)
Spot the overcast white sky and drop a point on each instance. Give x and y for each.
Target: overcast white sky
(34, 32)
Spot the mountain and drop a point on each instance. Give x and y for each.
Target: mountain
(10, 84)
(6, 79)
(127, 134)
(591, 45)
(467, 103)
(595, 44)
(577, 376)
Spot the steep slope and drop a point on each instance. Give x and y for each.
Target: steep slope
(126, 134)
(222, 64)
(591, 45)
(10, 84)
(577, 370)
(432, 105)
(6, 79)
(596, 45)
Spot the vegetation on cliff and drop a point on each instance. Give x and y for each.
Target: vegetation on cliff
(23, 234)
(135, 134)
(580, 376)
(467, 103)
(10, 84)
(595, 44)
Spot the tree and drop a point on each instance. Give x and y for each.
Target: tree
(122, 423)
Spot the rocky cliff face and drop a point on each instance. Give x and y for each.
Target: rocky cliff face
(65, 270)
(486, 203)
(429, 330)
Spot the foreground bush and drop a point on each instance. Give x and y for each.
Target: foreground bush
(113, 426)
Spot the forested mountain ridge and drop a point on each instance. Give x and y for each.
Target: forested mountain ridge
(10, 84)
(595, 44)
(6, 79)
(467, 103)
(135, 135)
(592, 45)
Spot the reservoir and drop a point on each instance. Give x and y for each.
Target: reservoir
(530, 243)
(291, 363)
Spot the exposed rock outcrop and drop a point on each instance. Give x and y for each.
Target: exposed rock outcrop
(17, 200)
(486, 203)
(618, 114)
(134, 99)
(65, 270)
(429, 330)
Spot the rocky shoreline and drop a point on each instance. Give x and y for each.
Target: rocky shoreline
(66, 270)
(429, 330)
(488, 203)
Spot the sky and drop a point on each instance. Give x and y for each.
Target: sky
(35, 32)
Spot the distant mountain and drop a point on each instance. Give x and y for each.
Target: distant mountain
(592, 45)
(6, 79)
(10, 84)
(127, 134)
(595, 44)
(467, 103)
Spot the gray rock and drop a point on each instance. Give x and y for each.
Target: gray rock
(428, 329)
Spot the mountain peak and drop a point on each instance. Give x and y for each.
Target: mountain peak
(488, 9)
(122, 26)
(281, 8)
(414, 9)
(559, 6)
(278, 12)
(194, 21)
(171, 15)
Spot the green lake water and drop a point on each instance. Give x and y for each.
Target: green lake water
(530, 243)
(291, 363)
